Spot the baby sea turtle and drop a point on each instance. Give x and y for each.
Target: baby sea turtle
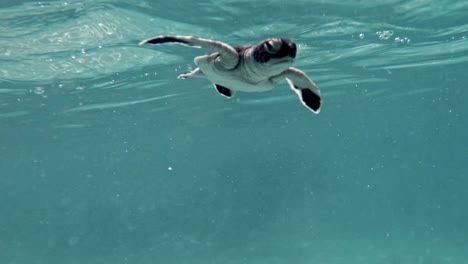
(248, 68)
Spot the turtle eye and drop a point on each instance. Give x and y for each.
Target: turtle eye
(269, 47)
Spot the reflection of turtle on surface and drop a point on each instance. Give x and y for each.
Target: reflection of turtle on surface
(249, 68)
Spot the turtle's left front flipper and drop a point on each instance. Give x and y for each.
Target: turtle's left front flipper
(304, 87)
(228, 55)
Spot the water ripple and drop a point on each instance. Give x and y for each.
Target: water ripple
(422, 54)
(51, 48)
(118, 104)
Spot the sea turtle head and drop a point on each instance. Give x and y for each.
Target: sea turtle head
(276, 53)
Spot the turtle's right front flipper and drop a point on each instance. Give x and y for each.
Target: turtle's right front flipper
(229, 57)
(304, 87)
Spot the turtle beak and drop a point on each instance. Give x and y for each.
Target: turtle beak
(290, 47)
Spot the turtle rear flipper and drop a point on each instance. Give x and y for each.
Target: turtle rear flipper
(226, 92)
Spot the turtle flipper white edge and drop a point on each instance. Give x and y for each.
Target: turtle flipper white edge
(304, 87)
(229, 56)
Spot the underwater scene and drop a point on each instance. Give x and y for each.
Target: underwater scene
(107, 157)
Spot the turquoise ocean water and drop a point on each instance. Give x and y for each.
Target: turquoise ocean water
(106, 157)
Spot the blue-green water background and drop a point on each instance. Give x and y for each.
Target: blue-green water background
(106, 157)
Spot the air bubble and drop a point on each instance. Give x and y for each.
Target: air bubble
(385, 34)
(404, 40)
(83, 51)
(361, 36)
(39, 90)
